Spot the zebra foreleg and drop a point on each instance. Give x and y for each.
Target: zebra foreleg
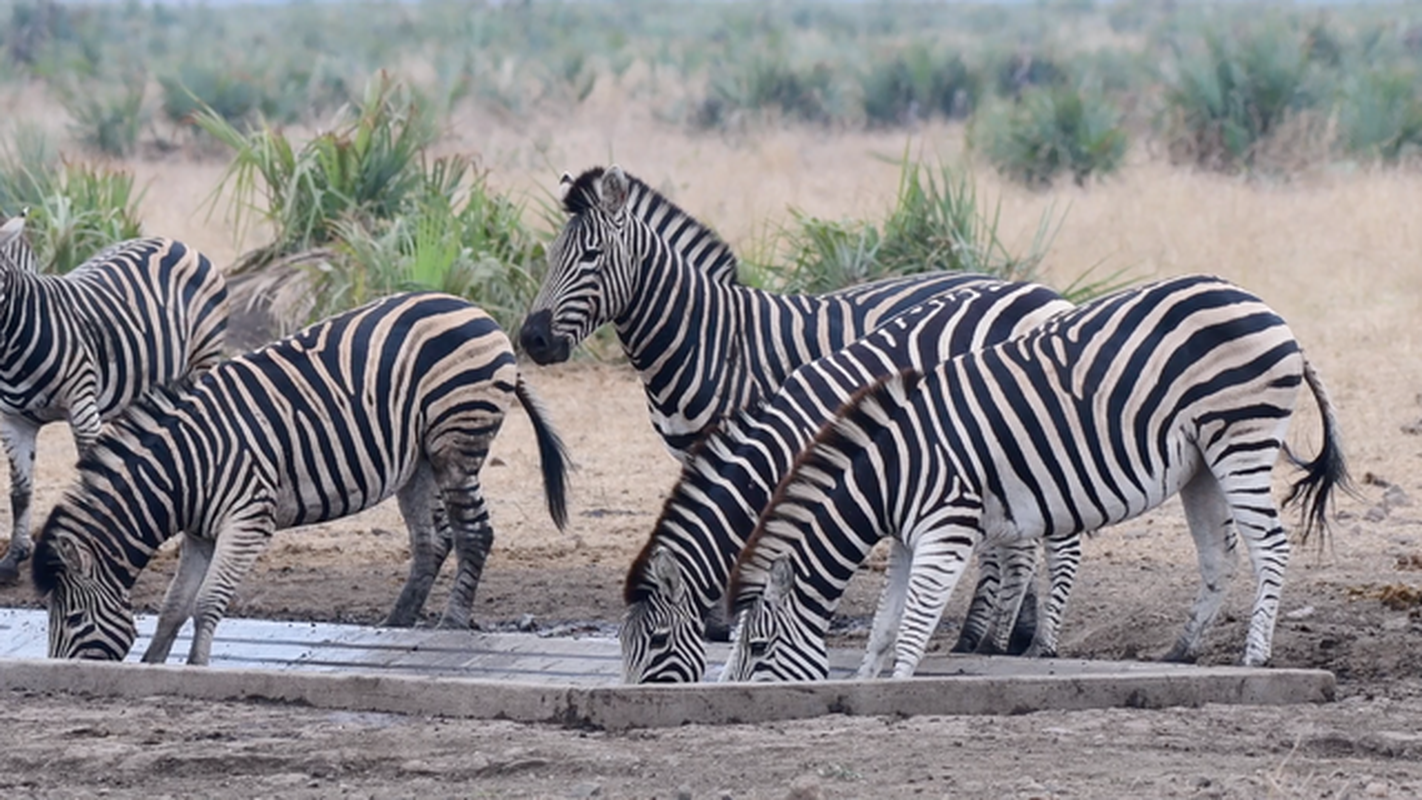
(430, 542)
(1063, 557)
(18, 435)
(238, 544)
(194, 558)
(975, 622)
(1019, 568)
(473, 538)
(938, 563)
(1208, 514)
(890, 611)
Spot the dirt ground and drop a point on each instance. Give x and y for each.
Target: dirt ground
(1337, 255)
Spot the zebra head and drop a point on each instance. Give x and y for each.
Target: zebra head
(89, 613)
(590, 266)
(661, 633)
(771, 641)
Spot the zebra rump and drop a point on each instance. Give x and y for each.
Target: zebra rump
(400, 397)
(82, 346)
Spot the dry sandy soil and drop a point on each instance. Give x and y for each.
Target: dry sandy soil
(1336, 253)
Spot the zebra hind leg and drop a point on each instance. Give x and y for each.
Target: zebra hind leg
(1208, 514)
(1018, 572)
(18, 435)
(468, 517)
(194, 558)
(975, 623)
(1063, 557)
(430, 542)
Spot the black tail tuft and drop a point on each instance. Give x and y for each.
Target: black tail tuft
(1325, 473)
(551, 453)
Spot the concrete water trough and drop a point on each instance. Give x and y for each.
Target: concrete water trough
(574, 680)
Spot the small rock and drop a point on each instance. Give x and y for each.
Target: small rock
(1377, 513)
(683, 792)
(1413, 428)
(1376, 789)
(805, 787)
(585, 790)
(528, 623)
(1300, 613)
(1394, 497)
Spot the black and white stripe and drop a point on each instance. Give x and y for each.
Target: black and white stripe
(1186, 385)
(683, 569)
(704, 345)
(400, 397)
(82, 346)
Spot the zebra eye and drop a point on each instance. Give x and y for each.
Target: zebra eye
(591, 254)
(758, 647)
(73, 620)
(659, 639)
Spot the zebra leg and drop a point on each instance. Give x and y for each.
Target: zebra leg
(1019, 569)
(1268, 545)
(890, 611)
(1208, 514)
(429, 545)
(19, 436)
(975, 623)
(1063, 557)
(238, 544)
(938, 563)
(194, 557)
(473, 538)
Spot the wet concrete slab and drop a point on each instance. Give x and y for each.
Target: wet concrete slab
(575, 681)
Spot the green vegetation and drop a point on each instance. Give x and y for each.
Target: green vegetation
(363, 210)
(1050, 131)
(76, 209)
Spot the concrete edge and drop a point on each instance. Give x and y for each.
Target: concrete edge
(624, 707)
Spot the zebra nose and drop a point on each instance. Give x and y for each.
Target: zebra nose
(537, 339)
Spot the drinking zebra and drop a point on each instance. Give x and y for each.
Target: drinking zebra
(1186, 385)
(82, 346)
(704, 345)
(399, 397)
(683, 569)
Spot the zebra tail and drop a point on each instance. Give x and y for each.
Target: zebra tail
(552, 454)
(1325, 473)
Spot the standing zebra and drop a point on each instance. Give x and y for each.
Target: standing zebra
(399, 397)
(83, 345)
(682, 571)
(1048, 435)
(704, 346)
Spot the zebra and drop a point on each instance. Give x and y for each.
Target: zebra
(401, 396)
(704, 345)
(84, 345)
(1048, 435)
(682, 570)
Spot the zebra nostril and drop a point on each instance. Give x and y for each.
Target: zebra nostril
(537, 339)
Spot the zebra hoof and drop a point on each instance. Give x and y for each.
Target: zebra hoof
(965, 644)
(1178, 655)
(10, 567)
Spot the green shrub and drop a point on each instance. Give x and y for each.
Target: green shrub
(1380, 114)
(1051, 131)
(1224, 100)
(917, 82)
(766, 81)
(107, 120)
(937, 223)
(231, 94)
(76, 209)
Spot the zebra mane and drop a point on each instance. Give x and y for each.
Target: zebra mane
(711, 255)
(156, 403)
(46, 565)
(856, 421)
(725, 428)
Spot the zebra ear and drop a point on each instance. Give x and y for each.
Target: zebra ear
(667, 576)
(781, 581)
(13, 227)
(614, 189)
(565, 184)
(76, 559)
